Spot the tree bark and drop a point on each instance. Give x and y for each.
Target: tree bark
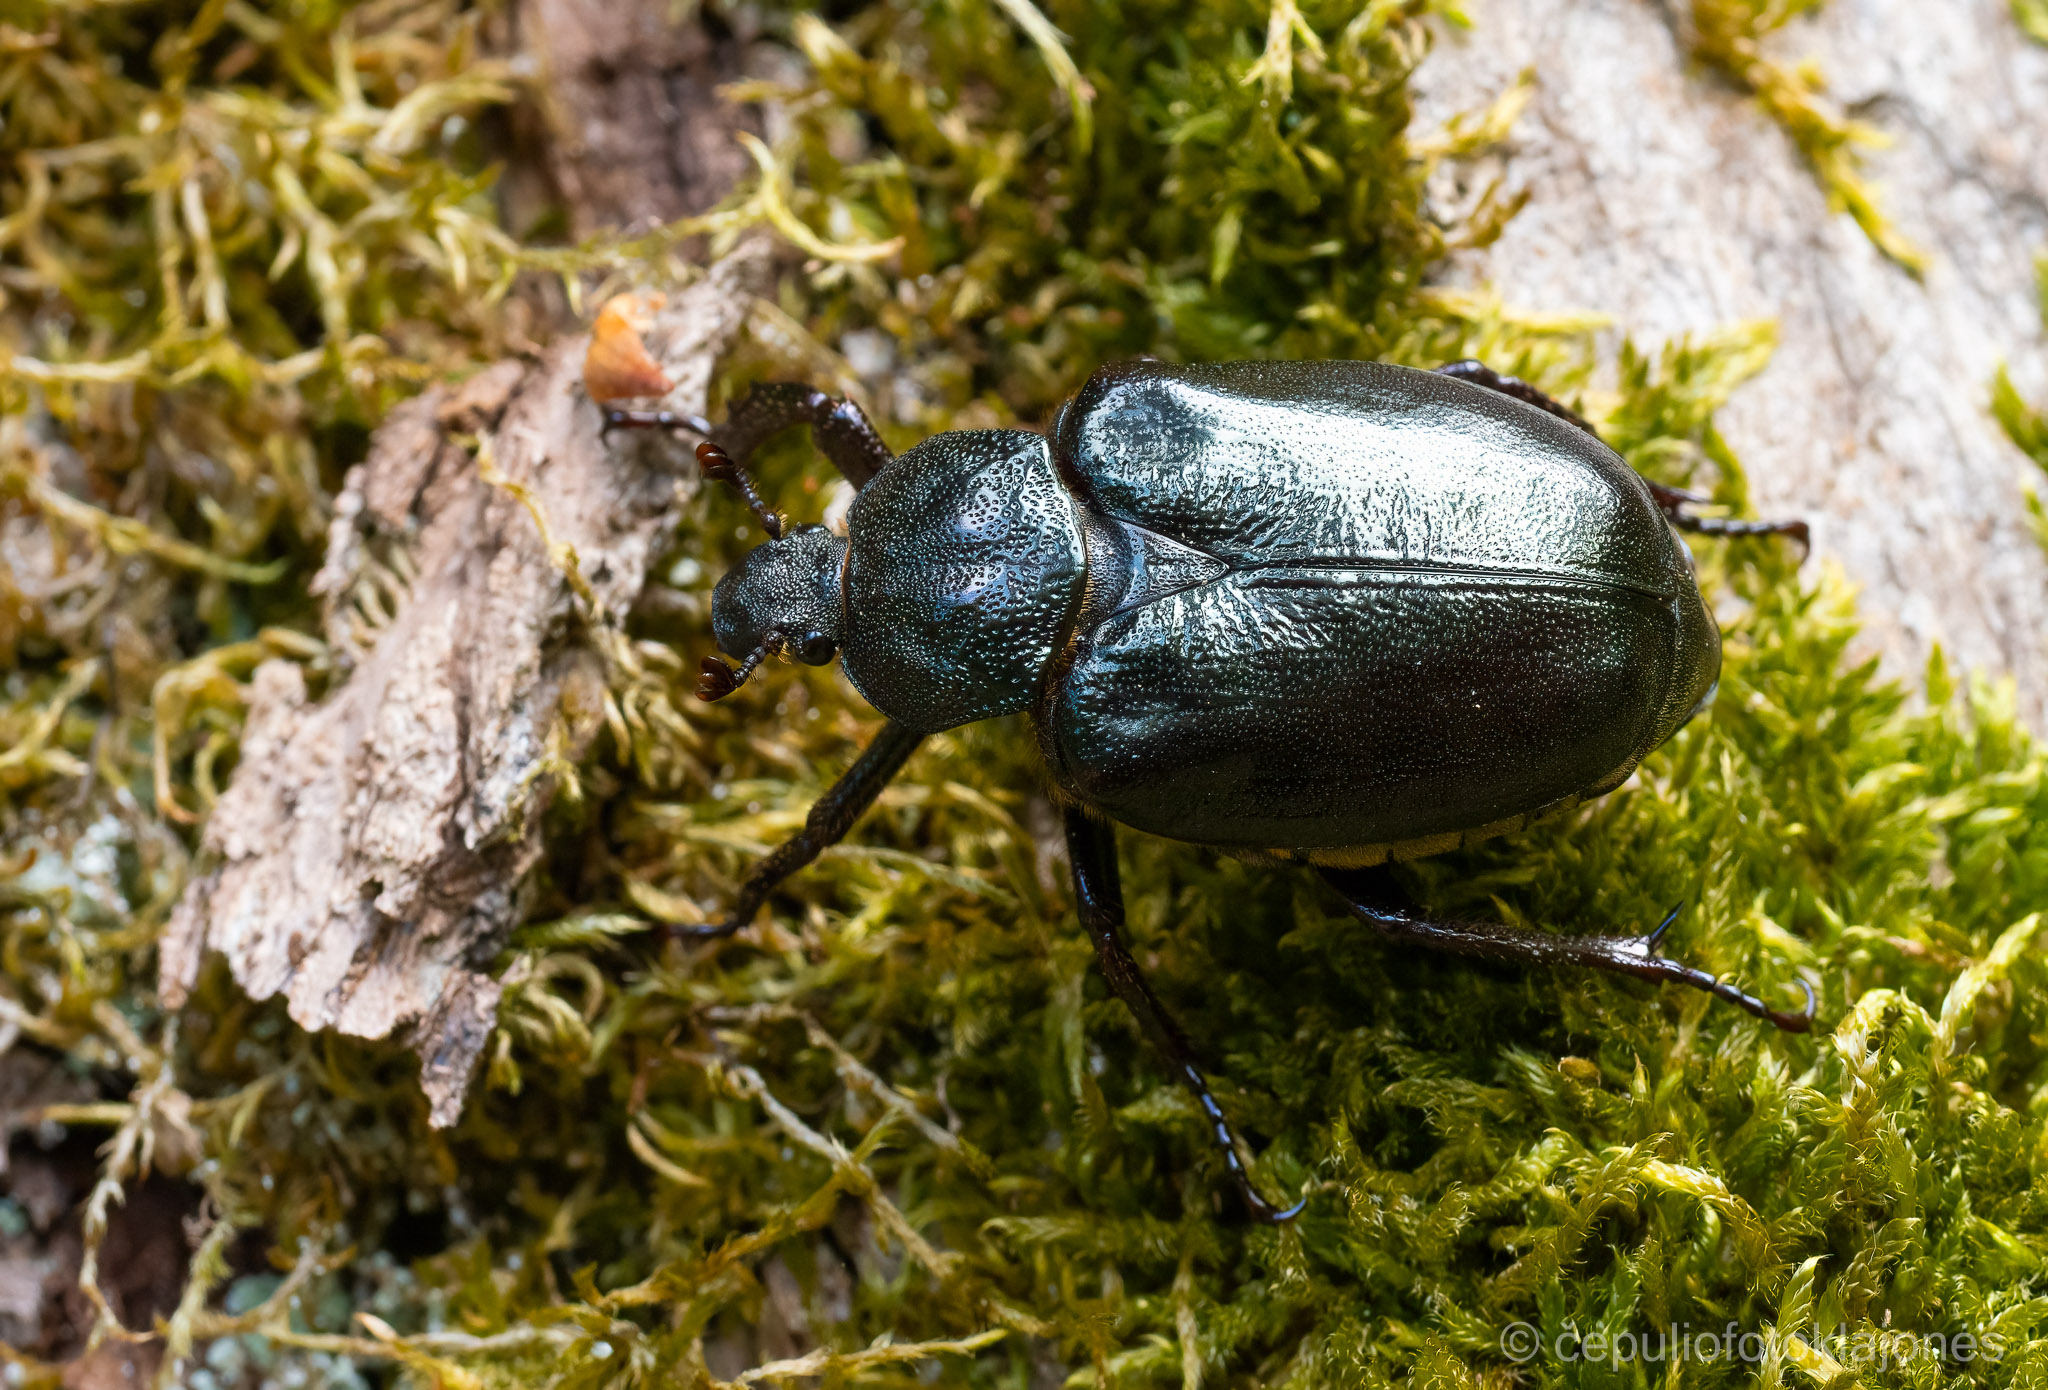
(1665, 197)
(370, 853)
(369, 856)
(633, 132)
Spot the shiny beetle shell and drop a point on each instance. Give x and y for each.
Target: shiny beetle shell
(1319, 610)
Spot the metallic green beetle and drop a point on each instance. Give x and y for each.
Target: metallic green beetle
(1326, 612)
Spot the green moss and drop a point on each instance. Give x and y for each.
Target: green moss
(2032, 17)
(1728, 36)
(2027, 428)
(2023, 424)
(906, 1109)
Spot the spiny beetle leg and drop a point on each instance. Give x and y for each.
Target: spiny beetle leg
(831, 816)
(1099, 896)
(1670, 500)
(1366, 892)
(838, 427)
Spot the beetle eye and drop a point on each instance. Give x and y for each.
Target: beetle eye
(816, 649)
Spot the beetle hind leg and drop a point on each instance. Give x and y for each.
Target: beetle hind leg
(1099, 896)
(1479, 374)
(1372, 898)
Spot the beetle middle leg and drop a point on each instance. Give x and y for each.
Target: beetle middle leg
(1479, 374)
(831, 816)
(1374, 898)
(839, 428)
(1099, 897)
(1670, 500)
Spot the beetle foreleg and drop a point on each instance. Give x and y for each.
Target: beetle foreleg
(831, 816)
(1099, 897)
(718, 465)
(838, 427)
(619, 418)
(1365, 891)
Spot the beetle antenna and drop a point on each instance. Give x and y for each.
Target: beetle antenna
(717, 464)
(716, 680)
(720, 467)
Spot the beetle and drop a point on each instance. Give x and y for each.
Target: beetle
(1328, 613)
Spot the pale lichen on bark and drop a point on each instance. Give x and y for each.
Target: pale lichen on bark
(1662, 195)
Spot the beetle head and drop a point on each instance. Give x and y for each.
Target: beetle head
(782, 598)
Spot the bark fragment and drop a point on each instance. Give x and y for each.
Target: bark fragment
(369, 854)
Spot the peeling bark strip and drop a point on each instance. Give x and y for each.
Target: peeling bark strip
(1668, 199)
(370, 852)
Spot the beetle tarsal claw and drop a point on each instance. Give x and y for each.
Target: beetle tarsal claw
(1801, 1022)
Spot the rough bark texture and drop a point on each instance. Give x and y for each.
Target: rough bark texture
(636, 133)
(370, 851)
(1663, 196)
